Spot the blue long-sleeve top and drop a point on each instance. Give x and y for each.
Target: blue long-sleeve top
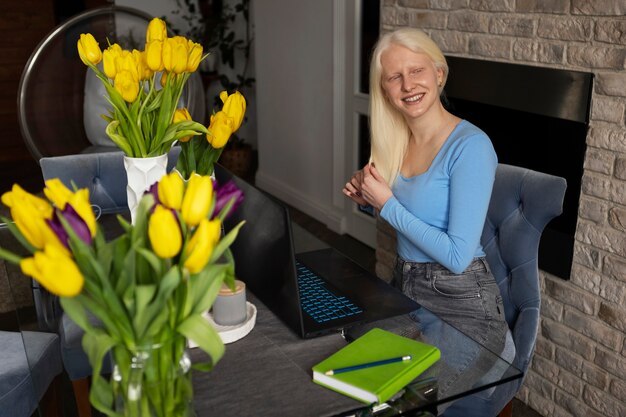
(439, 215)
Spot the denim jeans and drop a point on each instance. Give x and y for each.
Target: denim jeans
(471, 303)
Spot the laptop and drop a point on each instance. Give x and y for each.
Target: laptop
(315, 292)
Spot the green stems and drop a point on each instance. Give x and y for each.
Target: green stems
(153, 381)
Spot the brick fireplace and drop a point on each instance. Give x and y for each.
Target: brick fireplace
(579, 367)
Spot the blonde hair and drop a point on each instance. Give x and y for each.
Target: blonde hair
(389, 131)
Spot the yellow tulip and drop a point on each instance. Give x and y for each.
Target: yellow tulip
(171, 189)
(81, 204)
(164, 77)
(220, 129)
(234, 107)
(31, 215)
(108, 59)
(195, 56)
(157, 30)
(34, 227)
(126, 61)
(57, 193)
(200, 247)
(197, 199)
(143, 71)
(154, 55)
(182, 115)
(89, 50)
(60, 195)
(18, 195)
(127, 85)
(175, 54)
(55, 270)
(164, 232)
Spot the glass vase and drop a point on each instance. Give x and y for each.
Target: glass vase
(153, 381)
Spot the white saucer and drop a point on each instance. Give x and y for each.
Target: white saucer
(231, 334)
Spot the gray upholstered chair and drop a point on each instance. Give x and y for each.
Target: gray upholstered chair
(30, 361)
(522, 203)
(101, 173)
(29, 364)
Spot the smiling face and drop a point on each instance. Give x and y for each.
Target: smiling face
(410, 81)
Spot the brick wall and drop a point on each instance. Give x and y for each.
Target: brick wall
(579, 367)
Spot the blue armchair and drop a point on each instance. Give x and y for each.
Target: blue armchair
(522, 203)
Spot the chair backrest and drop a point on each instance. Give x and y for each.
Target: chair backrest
(102, 173)
(29, 363)
(60, 102)
(522, 203)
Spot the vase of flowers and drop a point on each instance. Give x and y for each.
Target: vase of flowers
(148, 287)
(200, 154)
(144, 89)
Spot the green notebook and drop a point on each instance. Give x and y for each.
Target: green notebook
(375, 384)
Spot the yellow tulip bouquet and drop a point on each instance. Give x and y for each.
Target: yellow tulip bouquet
(148, 287)
(144, 89)
(199, 155)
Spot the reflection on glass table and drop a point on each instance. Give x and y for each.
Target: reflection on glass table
(425, 392)
(447, 380)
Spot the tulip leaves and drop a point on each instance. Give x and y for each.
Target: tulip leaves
(196, 328)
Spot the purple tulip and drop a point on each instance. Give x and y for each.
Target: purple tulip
(154, 190)
(76, 222)
(57, 228)
(226, 192)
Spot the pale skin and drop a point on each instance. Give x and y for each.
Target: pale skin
(411, 83)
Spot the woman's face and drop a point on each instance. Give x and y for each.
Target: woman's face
(410, 80)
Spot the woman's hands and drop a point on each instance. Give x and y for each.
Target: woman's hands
(353, 188)
(367, 187)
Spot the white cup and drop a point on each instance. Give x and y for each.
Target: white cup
(229, 308)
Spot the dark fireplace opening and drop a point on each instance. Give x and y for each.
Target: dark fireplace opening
(537, 118)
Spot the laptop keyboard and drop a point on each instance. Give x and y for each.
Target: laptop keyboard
(318, 301)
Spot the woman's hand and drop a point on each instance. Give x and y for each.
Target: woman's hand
(374, 188)
(353, 187)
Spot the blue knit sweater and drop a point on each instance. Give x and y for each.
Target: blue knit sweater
(439, 215)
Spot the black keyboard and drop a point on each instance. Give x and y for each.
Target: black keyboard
(318, 301)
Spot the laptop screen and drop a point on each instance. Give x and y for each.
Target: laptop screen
(263, 250)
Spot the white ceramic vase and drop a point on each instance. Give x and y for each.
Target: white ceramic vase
(186, 180)
(141, 174)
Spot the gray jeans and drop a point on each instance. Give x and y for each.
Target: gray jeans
(471, 303)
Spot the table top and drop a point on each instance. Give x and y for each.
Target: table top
(268, 372)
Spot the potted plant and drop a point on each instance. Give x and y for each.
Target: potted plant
(214, 27)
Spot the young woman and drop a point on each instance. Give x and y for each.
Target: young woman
(430, 177)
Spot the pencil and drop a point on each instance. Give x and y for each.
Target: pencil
(368, 365)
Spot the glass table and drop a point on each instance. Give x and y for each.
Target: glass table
(268, 372)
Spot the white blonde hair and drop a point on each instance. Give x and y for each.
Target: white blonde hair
(389, 131)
